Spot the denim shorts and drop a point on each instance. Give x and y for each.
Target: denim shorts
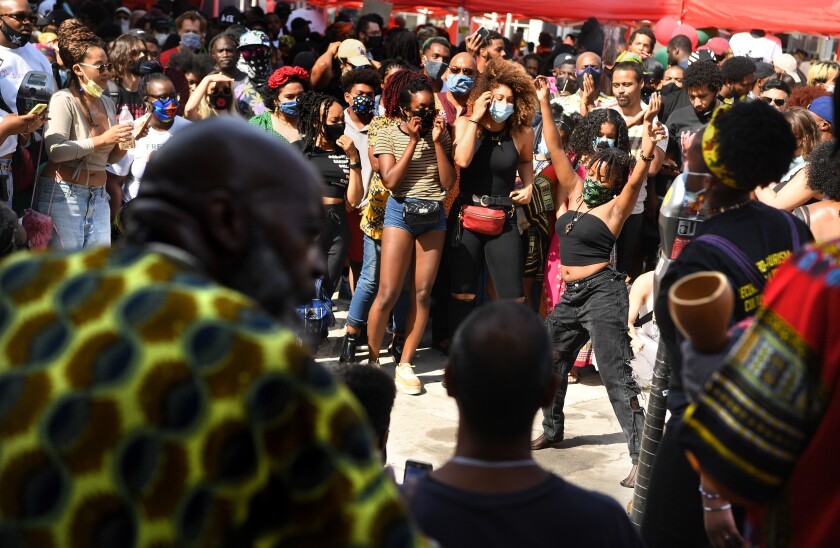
(394, 218)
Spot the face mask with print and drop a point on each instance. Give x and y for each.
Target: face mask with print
(259, 66)
(191, 40)
(500, 113)
(289, 108)
(694, 202)
(332, 132)
(16, 38)
(165, 111)
(595, 194)
(363, 105)
(460, 84)
(220, 100)
(599, 143)
(91, 88)
(435, 69)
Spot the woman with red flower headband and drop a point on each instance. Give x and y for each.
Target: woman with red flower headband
(280, 95)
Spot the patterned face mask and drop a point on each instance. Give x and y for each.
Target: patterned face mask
(362, 104)
(595, 194)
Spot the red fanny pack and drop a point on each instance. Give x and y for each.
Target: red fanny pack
(483, 220)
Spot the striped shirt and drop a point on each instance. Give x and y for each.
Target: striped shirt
(421, 180)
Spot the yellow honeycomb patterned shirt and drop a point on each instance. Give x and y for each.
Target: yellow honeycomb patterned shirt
(143, 404)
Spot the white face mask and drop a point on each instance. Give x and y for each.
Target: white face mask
(161, 38)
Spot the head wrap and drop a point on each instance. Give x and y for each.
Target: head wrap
(711, 151)
(629, 57)
(281, 76)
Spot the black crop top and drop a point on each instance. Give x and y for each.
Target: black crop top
(589, 242)
(334, 167)
(492, 171)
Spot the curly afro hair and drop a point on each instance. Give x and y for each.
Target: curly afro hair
(703, 73)
(756, 144)
(824, 171)
(736, 68)
(580, 143)
(500, 72)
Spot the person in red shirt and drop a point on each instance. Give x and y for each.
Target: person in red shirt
(191, 27)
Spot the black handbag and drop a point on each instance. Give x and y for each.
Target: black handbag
(421, 212)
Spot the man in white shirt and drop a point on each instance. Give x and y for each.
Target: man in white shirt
(754, 44)
(17, 57)
(627, 83)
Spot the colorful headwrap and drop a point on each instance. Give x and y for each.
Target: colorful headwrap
(286, 41)
(629, 57)
(711, 151)
(281, 76)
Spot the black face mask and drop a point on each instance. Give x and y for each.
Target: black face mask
(566, 85)
(16, 38)
(427, 117)
(220, 101)
(374, 42)
(332, 132)
(139, 67)
(596, 78)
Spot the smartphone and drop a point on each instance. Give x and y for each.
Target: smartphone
(415, 469)
(139, 129)
(38, 109)
(482, 33)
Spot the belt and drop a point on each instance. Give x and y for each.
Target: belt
(580, 283)
(492, 201)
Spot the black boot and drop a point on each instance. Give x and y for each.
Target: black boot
(396, 347)
(348, 348)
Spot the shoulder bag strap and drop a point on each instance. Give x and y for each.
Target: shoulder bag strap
(794, 234)
(737, 256)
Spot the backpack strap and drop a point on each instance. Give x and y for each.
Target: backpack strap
(794, 234)
(113, 91)
(736, 256)
(802, 214)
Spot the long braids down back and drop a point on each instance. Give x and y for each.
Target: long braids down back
(312, 117)
(394, 87)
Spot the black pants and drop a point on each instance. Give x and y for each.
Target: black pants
(504, 257)
(335, 243)
(627, 244)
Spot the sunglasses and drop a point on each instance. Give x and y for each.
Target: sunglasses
(22, 17)
(102, 69)
(248, 53)
(224, 91)
(777, 102)
(464, 71)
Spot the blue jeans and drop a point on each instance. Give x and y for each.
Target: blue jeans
(81, 214)
(366, 288)
(596, 307)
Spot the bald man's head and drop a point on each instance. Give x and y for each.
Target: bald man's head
(588, 59)
(15, 33)
(462, 60)
(243, 202)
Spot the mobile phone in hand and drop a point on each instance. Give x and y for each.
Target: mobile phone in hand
(415, 469)
(482, 33)
(38, 109)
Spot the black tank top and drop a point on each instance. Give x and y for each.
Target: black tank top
(492, 171)
(589, 242)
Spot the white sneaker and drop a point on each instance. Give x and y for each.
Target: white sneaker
(406, 381)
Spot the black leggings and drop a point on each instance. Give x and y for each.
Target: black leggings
(335, 243)
(504, 260)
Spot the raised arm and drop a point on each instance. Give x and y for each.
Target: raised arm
(566, 176)
(196, 97)
(322, 69)
(466, 131)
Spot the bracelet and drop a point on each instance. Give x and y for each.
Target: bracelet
(473, 121)
(644, 158)
(726, 506)
(706, 494)
(357, 165)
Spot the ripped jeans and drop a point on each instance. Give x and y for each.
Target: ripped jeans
(596, 307)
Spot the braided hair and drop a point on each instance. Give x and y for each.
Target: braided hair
(618, 164)
(392, 92)
(313, 107)
(580, 143)
(74, 41)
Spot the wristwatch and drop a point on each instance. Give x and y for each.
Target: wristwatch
(357, 165)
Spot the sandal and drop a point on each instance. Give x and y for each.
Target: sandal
(574, 376)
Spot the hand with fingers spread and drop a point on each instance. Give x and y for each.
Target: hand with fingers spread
(413, 127)
(543, 88)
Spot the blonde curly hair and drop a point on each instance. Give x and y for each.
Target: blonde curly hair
(500, 72)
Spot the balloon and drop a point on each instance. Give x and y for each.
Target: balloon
(702, 38)
(690, 32)
(664, 29)
(662, 57)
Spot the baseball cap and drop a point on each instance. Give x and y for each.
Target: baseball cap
(824, 108)
(717, 45)
(353, 52)
(230, 16)
(254, 38)
(122, 9)
(562, 59)
(787, 63)
(763, 70)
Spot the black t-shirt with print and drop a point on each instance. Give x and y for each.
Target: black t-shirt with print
(334, 167)
(763, 234)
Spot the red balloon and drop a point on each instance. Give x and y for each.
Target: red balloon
(690, 32)
(664, 29)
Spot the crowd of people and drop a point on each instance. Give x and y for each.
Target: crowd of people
(204, 175)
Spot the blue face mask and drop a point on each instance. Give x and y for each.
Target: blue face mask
(500, 113)
(602, 142)
(289, 109)
(460, 84)
(191, 40)
(165, 111)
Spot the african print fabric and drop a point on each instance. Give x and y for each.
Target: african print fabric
(373, 215)
(143, 404)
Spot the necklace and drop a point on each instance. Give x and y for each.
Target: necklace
(479, 463)
(724, 209)
(576, 217)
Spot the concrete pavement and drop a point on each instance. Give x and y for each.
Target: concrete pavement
(594, 454)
